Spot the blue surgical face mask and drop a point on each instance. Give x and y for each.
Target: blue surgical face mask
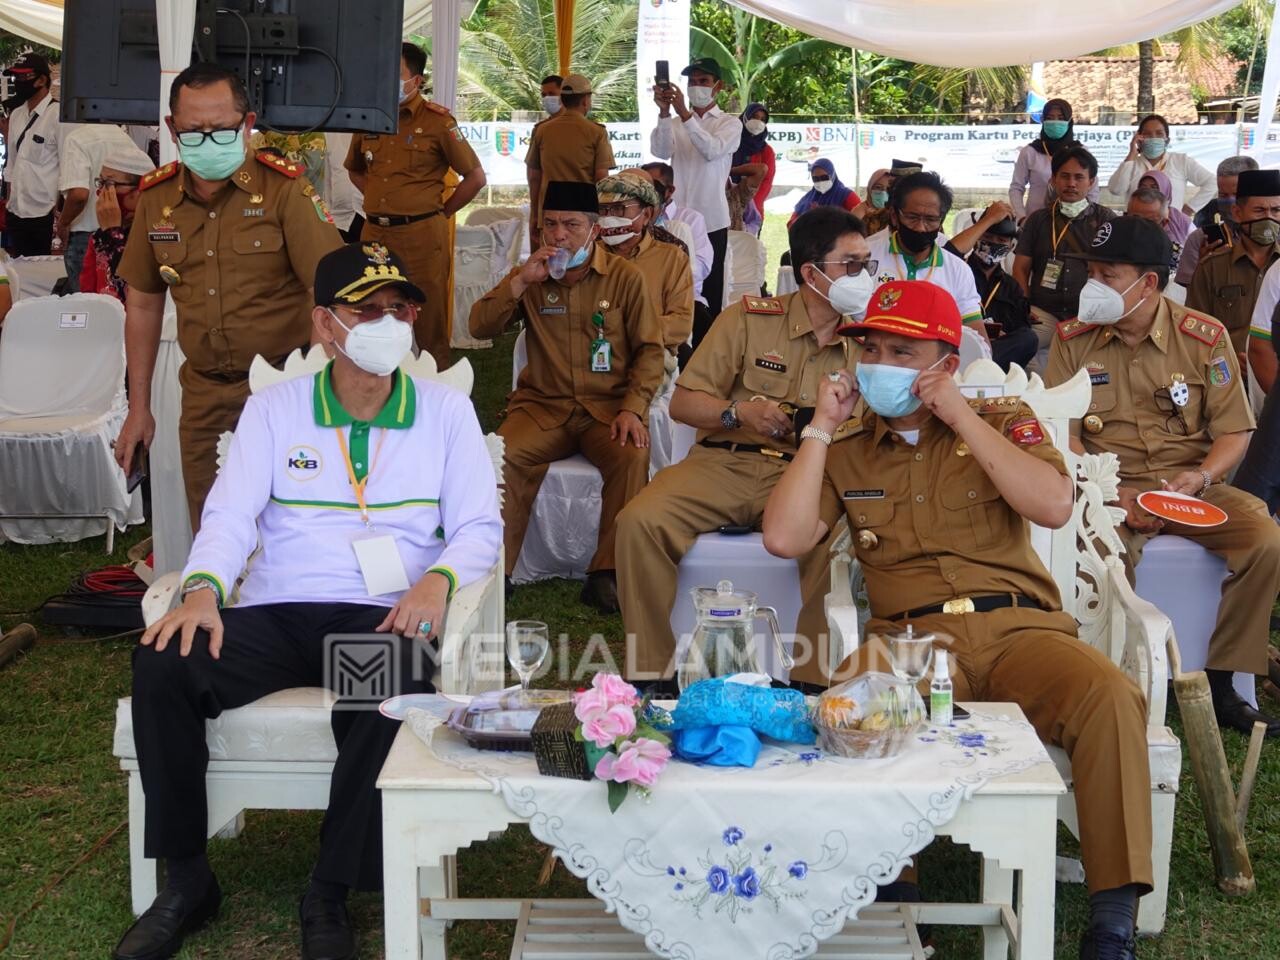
(1153, 148)
(213, 161)
(887, 389)
(1055, 129)
(879, 199)
(579, 257)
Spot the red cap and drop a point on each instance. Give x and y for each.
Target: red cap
(911, 308)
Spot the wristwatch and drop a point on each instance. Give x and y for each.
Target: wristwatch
(812, 432)
(200, 583)
(729, 417)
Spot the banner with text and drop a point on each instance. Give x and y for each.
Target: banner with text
(662, 33)
(968, 157)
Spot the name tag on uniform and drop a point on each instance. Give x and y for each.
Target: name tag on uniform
(771, 361)
(552, 310)
(1099, 379)
(163, 236)
(1052, 274)
(601, 356)
(862, 495)
(380, 564)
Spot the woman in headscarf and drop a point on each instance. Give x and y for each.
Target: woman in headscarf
(827, 191)
(123, 168)
(874, 211)
(1191, 183)
(1176, 225)
(1057, 133)
(753, 149)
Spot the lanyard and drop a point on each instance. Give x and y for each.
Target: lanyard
(991, 296)
(1057, 239)
(898, 258)
(359, 485)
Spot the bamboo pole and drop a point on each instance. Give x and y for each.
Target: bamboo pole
(1249, 773)
(20, 638)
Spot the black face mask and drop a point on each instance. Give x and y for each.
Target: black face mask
(23, 90)
(916, 241)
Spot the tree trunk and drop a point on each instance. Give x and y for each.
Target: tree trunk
(1146, 71)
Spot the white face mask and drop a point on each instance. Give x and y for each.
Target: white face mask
(847, 295)
(755, 127)
(822, 186)
(1102, 305)
(551, 104)
(1073, 208)
(377, 346)
(618, 230)
(405, 94)
(701, 97)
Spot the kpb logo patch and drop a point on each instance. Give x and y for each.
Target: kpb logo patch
(303, 463)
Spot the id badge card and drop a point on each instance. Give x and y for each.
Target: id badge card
(380, 564)
(1052, 275)
(601, 356)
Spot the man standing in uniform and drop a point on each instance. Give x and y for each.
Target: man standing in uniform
(566, 146)
(1167, 400)
(550, 93)
(923, 557)
(700, 140)
(33, 148)
(628, 205)
(1051, 281)
(763, 360)
(595, 363)
(402, 177)
(1227, 281)
(236, 239)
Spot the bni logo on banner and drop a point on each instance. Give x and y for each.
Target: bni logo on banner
(362, 669)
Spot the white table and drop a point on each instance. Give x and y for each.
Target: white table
(431, 810)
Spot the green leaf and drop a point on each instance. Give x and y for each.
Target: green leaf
(617, 793)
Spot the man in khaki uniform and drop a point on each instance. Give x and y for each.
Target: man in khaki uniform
(628, 205)
(939, 492)
(235, 239)
(1227, 281)
(595, 363)
(761, 360)
(402, 177)
(1168, 401)
(566, 146)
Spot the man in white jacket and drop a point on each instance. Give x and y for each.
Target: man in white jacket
(366, 497)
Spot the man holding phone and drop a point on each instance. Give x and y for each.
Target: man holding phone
(699, 139)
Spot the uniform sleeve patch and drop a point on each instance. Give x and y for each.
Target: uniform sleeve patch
(1219, 372)
(1027, 433)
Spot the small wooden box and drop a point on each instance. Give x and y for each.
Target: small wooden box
(558, 753)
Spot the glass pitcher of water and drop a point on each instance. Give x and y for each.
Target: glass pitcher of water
(724, 635)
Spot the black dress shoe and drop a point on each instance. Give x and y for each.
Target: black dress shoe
(1108, 943)
(326, 930)
(601, 591)
(158, 933)
(1234, 713)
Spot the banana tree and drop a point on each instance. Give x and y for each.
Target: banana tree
(748, 61)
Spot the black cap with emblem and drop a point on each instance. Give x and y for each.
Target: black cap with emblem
(351, 273)
(1128, 239)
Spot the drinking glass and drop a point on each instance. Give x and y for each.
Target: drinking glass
(911, 655)
(558, 262)
(527, 646)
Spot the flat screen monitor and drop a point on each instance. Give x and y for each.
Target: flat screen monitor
(308, 64)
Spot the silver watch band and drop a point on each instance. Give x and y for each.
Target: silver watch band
(1208, 480)
(813, 432)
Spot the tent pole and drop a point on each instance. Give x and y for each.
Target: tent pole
(857, 117)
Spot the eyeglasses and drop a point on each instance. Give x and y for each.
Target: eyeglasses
(225, 137)
(853, 267)
(373, 311)
(122, 186)
(1165, 404)
(920, 220)
(617, 209)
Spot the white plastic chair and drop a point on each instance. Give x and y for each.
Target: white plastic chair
(35, 276)
(62, 404)
(482, 256)
(745, 266)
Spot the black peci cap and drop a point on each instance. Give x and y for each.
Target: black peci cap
(351, 273)
(1258, 183)
(1128, 239)
(568, 196)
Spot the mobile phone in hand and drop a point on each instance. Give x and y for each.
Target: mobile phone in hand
(662, 73)
(1216, 232)
(138, 473)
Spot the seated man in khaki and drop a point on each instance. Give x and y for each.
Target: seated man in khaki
(595, 363)
(762, 359)
(934, 528)
(1168, 401)
(628, 206)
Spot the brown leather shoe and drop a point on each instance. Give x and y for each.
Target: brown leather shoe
(601, 591)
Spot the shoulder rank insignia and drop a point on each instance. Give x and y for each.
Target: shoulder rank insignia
(279, 164)
(159, 175)
(1073, 328)
(1204, 329)
(769, 305)
(435, 107)
(994, 404)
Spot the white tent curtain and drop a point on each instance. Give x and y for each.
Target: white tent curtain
(1270, 90)
(39, 21)
(445, 18)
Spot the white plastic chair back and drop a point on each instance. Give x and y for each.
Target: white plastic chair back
(36, 276)
(745, 266)
(480, 216)
(972, 348)
(519, 358)
(62, 356)
(684, 233)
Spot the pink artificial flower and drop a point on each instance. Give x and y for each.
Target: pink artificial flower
(615, 689)
(588, 703)
(603, 727)
(639, 761)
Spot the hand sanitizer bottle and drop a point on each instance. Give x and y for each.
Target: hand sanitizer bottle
(940, 691)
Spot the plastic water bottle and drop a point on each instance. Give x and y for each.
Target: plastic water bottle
(940, 705)
(558, 262)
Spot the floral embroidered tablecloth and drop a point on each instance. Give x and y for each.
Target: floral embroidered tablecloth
(765, 861)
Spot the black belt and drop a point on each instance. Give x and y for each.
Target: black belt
(748, 448)
(972, 605)
(387, 221)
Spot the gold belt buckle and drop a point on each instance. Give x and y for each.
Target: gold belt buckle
(962, 605)
(769, 452)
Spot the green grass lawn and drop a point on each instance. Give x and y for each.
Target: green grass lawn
(63, 802)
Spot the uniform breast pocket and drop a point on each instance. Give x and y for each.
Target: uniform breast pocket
(41, 152)
(1103, 398)
(370, 148)
(420, 155)
(766, 383)
(260, 238)
(873, 534)
(1193, 412)
(976, 514)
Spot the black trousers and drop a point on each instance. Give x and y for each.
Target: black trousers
(713, 285)
(264, 649)
(1259, 471)
(29, 236)
(1018, 346)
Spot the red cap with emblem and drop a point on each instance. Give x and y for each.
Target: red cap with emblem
(910, 308)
